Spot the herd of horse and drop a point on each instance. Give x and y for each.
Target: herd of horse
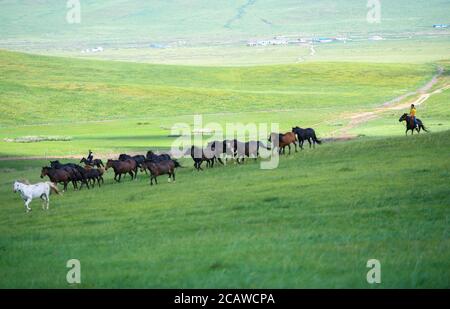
(163, 164)
(154, 164)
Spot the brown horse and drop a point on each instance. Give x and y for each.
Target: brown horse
(159, 168)
(284, 140)
(248, 149)
(94, 174)
(122, 167)
(56, 176)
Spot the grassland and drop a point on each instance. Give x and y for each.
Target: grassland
(133, 22)
(94, 101)
(203, 33)
(313, 222)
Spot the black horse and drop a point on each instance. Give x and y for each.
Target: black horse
(151, 156)
(419, 125)
(138, 158)
(77, 172)
(95, 162)
(306, 135)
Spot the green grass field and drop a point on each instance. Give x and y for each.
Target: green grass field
(100, 103)
(312, 222)
(368, 192)
(204, 33)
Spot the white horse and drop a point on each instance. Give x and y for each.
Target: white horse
(41, 190)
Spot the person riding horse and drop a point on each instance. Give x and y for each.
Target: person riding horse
(412, 115)
(90, 157)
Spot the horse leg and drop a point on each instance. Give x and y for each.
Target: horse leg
(27, 202)
(168, 179)
(120, 177)
(289, 149)
(295, 145)
(131, 173)
(173, 175)
(43, 201)
(309, 141)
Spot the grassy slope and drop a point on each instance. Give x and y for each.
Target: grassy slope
(133, 21)
(313, 222)
(56, 91)
(434, 112)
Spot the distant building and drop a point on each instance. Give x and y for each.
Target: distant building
(439, 26)
(157, 46)
(92, 50)
(376, 38)
(324, 40)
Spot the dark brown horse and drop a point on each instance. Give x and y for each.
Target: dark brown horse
(122, 167)
(96, 162)
(56, 175)
(283, 140)
(159, 168)
(200, 155)
(248, 149)
(407, 118)
(94, 174)
(306, 135)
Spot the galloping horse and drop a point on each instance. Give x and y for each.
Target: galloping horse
(96, 162)
(160, 168)
(122, 167)
(76, 172)
(157, 158)
(248, 149)
(57, 175)
(41, 190)
(199, 155)
(284, 140)
(94, 174)
(306, 134)
(407, 118)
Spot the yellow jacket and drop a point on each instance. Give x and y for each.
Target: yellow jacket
(412, 112)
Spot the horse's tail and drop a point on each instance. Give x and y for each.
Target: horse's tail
(318, 141)
(264, 146)
(53, 188)
(177, 164)
(423, 128)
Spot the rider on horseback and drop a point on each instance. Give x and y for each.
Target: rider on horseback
(90, 157)
(412, 114)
